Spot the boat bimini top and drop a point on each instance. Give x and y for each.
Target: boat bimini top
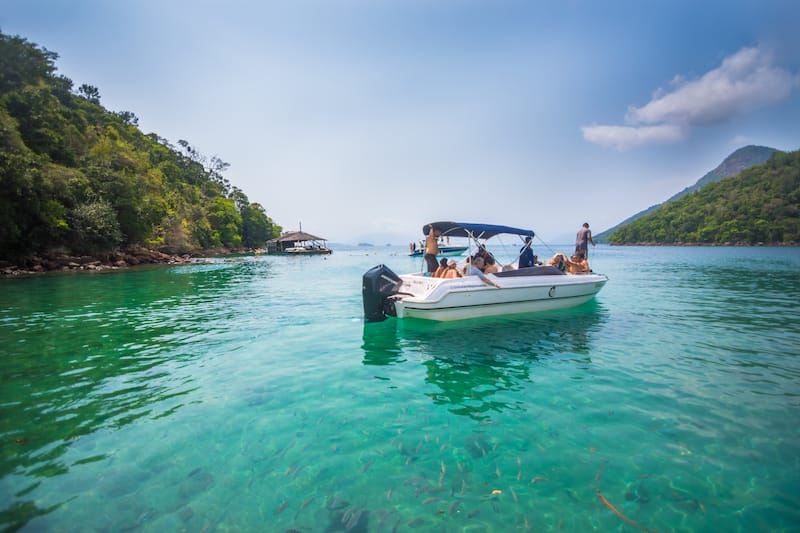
(474, 231)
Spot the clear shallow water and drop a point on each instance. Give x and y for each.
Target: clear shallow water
(250, 396)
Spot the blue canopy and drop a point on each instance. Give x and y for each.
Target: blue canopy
(476, 231)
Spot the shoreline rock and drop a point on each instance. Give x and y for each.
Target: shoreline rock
(129, 257)
(47, 263)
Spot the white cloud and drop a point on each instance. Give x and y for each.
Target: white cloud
(622, 137)
(745, 81)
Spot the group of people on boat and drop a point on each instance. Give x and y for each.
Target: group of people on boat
(576, 264)
(484, 263)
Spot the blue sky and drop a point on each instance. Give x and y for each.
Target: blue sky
(365, 119)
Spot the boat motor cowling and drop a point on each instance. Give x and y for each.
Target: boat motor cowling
(378, 285)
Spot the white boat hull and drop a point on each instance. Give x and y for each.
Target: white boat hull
(463, 298)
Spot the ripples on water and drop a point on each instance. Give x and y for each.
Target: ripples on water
(250, 396)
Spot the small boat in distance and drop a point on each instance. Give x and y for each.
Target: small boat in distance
(444, 251)
(513, 290)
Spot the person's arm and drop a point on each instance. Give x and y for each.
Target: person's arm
(489, 282)
(474, 271)
(590, 238)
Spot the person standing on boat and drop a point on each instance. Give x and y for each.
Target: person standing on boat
(583, 239)
(432, 248)
(526, 257)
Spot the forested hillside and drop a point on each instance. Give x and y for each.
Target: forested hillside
(76, 178)
(739, 160)
(758, 205)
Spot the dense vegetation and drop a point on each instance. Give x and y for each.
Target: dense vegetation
(76, 178)
(759, 205)
(741, 159)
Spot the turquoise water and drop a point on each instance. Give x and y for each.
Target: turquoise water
(250, 396)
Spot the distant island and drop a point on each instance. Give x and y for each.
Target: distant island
(364, 244)
(759, 205)
(80, 182)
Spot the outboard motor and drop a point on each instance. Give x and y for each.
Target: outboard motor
(378, 285)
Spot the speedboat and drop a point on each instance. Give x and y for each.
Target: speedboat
(521, 290)
(444, 251)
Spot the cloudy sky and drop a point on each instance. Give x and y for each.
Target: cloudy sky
(365, 119)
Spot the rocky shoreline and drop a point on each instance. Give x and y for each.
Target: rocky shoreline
(110, 261)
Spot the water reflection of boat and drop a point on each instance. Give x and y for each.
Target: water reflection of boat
(470, 362)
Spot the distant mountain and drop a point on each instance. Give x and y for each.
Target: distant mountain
(741, 159)
(759, 205)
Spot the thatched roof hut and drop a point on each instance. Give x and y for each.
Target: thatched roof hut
(295, 240)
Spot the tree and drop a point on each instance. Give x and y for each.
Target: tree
(128, 118)
(226, 222)
(78, 178)
(257, 227)
(90, 92)
(94, 227)
(23, 63)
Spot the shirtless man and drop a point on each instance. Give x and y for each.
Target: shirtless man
(578, 264)
(574, 265)
(432, 248)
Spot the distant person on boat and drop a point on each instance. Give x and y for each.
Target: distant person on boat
(452, 271)
(432, 248)
(475, 269)
(583, 239)
(442, 268)
(412, 247)
(526, 255)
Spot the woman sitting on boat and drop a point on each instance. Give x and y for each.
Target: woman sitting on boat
(442, 268)
(451, 271)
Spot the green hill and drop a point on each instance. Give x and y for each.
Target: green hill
(759, 205)
(739, 160)
(76, 178)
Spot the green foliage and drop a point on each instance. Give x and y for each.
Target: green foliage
(759, 205)
(90, 92)
(738, 161)
(23, 63)
(78, 178)
(257, 227)
(94, 227)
